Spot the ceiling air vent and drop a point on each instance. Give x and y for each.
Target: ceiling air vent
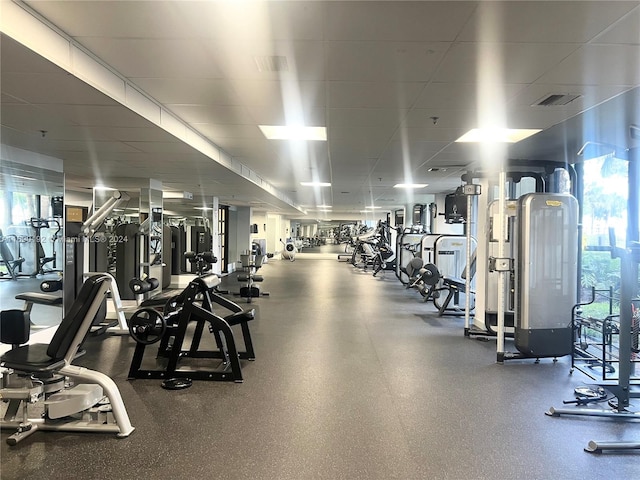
(556, 100)
(276, 63)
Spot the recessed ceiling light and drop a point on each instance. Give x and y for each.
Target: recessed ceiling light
(410, 185)
(372, 207)
(285, 132)
(497, 135)
(325, 206)
(315, 184)
(203, 208)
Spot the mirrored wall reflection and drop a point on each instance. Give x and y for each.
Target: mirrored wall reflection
(31, 237)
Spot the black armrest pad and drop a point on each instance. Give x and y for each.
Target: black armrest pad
(40, 298)
(240, 317)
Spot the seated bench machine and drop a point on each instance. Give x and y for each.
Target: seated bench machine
(39, 374)
(169, 327)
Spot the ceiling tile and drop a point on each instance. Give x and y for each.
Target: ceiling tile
(519, 63)
(289, 92)
(460, 95)
(383, 61)
(625, 31)
(304, 60)
(598, 65)
(189, 90)
(393, 21)
(542, 22)
(373, 94)
(388, 118)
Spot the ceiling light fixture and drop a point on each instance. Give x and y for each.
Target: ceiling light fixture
(23, 178)
(372, 207)
(497, 135)
(410, 185)
(285, 132)
(315, 184)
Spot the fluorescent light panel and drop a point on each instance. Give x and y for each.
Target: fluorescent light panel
(372, 207)
(23, 178)
(315, 184)
(497, 135)
(410, 185)
(285, 132)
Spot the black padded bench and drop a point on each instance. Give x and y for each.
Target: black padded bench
(454, 287)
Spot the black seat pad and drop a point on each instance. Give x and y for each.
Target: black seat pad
(160, 299)
(456, 282)
(31, 358)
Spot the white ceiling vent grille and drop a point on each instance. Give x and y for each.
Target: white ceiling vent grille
(276, 63)
(556, 100)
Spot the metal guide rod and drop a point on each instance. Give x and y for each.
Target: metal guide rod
(470, 190)
(103, 212)
(467, 276)
(502, 181)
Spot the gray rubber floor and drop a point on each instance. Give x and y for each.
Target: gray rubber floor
(355, 378)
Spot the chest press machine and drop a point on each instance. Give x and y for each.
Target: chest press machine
(40, 374)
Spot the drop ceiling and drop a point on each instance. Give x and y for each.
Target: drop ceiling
(395, 84)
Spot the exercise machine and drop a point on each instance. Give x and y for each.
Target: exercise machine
(250, 266)
(41, 258)
(44, 375)
(170, 327)
(624, 384)
(7, 259)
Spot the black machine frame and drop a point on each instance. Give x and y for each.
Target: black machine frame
(197, 302)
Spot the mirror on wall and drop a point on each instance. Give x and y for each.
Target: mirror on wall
(32, 237)
(155, 234)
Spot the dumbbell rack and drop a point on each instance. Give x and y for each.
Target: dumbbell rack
(596, 351)
(619, 348)
(250, 265)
